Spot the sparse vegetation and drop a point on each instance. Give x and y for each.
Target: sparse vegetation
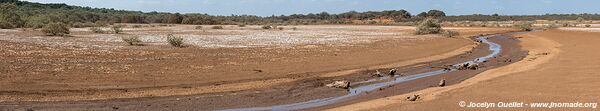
(217, 27)
(429, 26)
(18, 13)
(198, 27)
(134, 40)
(175, 41)
(450, 33)
(588, 25)
(54, 29)
(241, 25)
(280, 28)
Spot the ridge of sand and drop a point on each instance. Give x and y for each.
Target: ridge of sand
(541, 50)
(452, 53)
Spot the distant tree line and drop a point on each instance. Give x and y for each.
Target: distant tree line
(16, 14)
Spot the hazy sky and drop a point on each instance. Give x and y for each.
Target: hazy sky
(278, 7)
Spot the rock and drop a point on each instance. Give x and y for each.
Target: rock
(442, 83)
(412, 98)
(339, 84)
(468, 66)
(473, 66)
(393, 72)
(463, 66)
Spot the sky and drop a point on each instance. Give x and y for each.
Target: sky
(286, 7)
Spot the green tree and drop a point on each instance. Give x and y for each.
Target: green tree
(8, 18)
(422, 14)
(435, 13)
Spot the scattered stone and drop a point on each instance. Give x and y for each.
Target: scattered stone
(442, 83)
(339, 84)
(412, 98)
(393, 72)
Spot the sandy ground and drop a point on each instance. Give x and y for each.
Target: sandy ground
(562, 66)
(91, 66)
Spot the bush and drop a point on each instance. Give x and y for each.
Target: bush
(429, 26)
(280, 28)
(57, 28)
(588, 25)
(294, 28)
(523, 25)
(132, 40)
(96, 30)
(241, 25)
(450, 33)
(117, 29)
(175, 41)
(198, 27)
(217, 27)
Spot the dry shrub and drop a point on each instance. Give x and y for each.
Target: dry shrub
(551, 26)
(523, 25)
(450, 33)
(175, 41)
(117, 29)
(57, 28)
(217, 27)
(266, 27)
(134, 40)
(429, 26)
(136, 26)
